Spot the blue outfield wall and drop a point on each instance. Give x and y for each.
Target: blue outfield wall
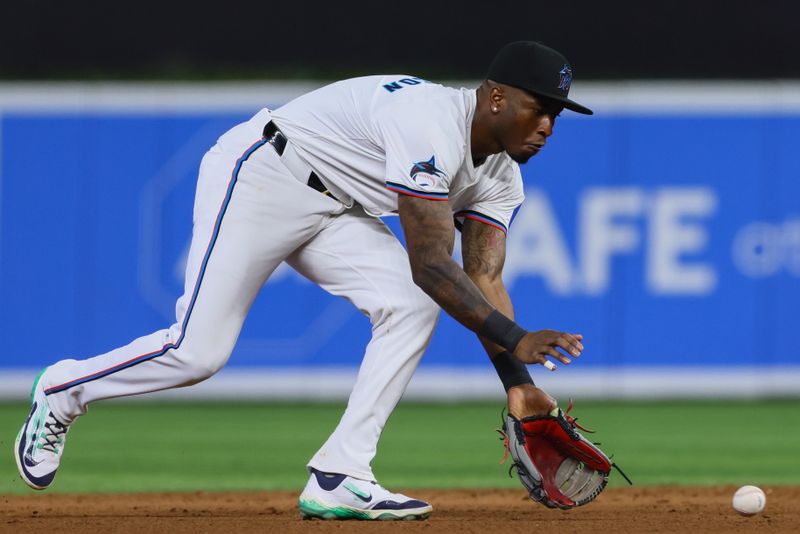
(670, 240)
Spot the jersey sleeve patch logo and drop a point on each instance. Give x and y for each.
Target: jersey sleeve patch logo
(425, 173)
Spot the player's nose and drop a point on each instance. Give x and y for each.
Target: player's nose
(545, 126)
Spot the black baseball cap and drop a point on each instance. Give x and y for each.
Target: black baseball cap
(535, 68)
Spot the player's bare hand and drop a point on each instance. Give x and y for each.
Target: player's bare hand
(537, 347)
(526, 400)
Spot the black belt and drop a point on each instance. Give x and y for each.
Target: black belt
(278, 141)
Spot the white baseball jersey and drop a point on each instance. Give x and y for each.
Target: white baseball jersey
(376, 136)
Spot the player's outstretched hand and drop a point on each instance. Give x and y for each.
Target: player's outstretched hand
(535, 347)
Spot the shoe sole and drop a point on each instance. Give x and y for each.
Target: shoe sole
(19, 438)
(313, 509)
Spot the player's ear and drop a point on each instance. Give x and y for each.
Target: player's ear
(497, 98)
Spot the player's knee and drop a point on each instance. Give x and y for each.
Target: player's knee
(199, 371)
(201, 366)
(413, 309)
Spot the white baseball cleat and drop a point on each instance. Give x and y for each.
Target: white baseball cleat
(335, 496)
(40, 441)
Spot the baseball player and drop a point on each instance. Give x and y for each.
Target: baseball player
(306, 184)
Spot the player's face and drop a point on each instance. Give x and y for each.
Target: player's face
(525, 122)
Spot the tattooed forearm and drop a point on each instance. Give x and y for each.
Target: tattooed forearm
(483, 249)
(428, 227)
(455, 292)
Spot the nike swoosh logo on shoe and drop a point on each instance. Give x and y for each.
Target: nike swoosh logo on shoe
(28, 441)
(28, 459)
(25, 444)
(361, 494)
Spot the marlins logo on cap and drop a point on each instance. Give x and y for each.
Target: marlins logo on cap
(566, 77)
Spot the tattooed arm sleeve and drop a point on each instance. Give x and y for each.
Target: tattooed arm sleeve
(429, 232)
(483, 249)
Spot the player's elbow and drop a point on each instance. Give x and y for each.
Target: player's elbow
(421, 275)
(428, 272)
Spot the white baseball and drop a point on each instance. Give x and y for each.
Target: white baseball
(749, 500)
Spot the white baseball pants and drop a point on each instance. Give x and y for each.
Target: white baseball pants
(250, 214)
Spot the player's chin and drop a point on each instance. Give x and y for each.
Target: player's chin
(521, 156)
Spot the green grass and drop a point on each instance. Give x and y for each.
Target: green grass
(144, 446)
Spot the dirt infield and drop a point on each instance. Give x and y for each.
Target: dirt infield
(651, 509)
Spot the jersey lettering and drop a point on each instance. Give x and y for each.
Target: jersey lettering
(395, 85)
(392, 87)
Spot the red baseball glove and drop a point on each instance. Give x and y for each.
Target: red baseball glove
(556, 464)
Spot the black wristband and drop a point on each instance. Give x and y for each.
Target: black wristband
(501, 330)
(511, 370)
